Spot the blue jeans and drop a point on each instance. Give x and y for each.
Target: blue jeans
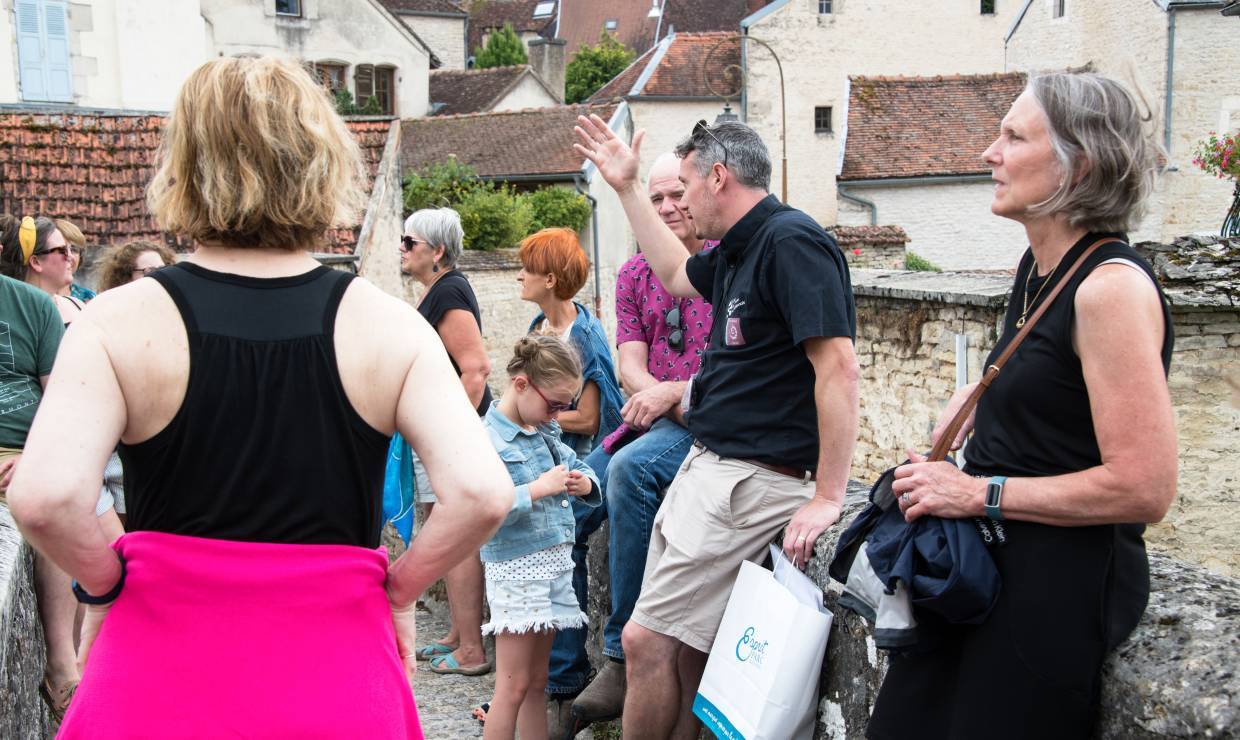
(632, 481)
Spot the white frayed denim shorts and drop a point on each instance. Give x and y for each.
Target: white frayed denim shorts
(532, 605)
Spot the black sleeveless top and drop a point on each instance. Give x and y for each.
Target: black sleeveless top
(1035, 420)
(453, 291)
(266, 446)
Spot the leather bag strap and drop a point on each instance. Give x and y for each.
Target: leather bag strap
(943, 446)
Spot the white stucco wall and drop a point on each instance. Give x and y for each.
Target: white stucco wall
(527, 94)
(863, 37)
(343, 31)
(1129, 42)
(8, 60)
(667, 122)
(949, 224)
(445, 36)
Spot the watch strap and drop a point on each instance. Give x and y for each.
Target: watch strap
(994, 497)
(84, 598)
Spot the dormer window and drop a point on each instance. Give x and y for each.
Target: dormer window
(610, 24)
(544, 9)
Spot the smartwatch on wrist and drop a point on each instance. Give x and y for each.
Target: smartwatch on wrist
(994, 497)
(109, 597)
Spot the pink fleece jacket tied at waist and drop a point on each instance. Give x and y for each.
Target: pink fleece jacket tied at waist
(214, 638)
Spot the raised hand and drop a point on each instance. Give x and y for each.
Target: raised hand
(616, 161)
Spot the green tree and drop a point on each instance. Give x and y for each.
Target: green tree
(443, 184)
(595, 66)
(558, 207)
(503, 49)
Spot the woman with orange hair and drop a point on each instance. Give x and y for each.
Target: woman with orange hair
(553, 269)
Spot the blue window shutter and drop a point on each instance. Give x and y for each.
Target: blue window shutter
(30, 50)
(56, 52)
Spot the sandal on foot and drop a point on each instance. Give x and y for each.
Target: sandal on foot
(480, 713)
(433, 650)
(57, 700)
(444, 664)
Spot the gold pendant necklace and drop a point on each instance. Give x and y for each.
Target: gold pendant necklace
(1027, 304)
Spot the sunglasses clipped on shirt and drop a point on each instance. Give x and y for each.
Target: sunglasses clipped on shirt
(675, 330)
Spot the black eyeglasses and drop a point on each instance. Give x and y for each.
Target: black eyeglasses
(62, 251)
(676, 330)
(704, 128)
(407, 242)
(146, 271)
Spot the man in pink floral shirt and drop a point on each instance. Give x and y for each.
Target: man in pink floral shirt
(661, 341)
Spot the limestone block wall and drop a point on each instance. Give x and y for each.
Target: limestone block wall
(818, 53)
(949, 224)
(23, 715)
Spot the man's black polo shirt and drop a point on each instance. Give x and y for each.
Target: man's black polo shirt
(774, 281)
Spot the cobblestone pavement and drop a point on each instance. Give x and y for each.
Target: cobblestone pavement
(445, 702)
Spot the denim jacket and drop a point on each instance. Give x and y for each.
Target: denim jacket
(533, 525)
(590, 340)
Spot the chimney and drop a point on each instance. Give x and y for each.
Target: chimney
(547, 59)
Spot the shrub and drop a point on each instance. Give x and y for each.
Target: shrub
(494, 218)
(558, 207)
(443, 184)
(917, 263)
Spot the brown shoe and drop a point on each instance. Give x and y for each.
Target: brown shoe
(603, 699)
(561, 724)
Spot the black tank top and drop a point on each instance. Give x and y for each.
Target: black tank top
(1035, 420)
(266, 446)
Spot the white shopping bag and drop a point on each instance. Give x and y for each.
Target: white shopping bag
(761, 680)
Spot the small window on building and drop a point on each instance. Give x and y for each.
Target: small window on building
(610, 24)
(1057, 8)
(385, 89)
(330, 75)
(824, 7)
(363, 83)
(288, 7)
(544, 9)
(822, 119)
(988, 7)
(43, 51)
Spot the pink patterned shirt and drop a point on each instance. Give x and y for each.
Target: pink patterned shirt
(642, 307)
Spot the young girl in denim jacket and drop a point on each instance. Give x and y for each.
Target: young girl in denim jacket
(528, 563)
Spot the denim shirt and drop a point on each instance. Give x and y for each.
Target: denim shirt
(590, 339)
(533, 525)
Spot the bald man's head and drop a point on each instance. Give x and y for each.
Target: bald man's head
(665, 189)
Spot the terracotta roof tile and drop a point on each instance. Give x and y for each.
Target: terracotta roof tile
(924, 126)
(702, 65)
(851, 236)
(582, 23)
(416, 7)
(537, 141)
(489, 15)
(93, 170)
(471, 90)
(695, 16)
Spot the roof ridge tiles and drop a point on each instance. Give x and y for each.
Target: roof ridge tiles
(938, 78)
(505, 68)
(518, 111)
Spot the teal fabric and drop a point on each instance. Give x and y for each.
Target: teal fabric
(398, 487)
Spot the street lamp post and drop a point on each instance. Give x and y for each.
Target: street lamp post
(727, 115)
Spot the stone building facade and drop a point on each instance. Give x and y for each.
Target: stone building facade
(819, 51)
(442, 24)
(1145, 44)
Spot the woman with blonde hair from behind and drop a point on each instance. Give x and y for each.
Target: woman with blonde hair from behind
(253, 393)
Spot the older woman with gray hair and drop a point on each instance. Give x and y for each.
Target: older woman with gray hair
(1073, 445)
(429, 249)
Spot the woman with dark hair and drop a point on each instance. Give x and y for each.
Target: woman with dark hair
(1073, 445)
(48, 265)
(253, 393)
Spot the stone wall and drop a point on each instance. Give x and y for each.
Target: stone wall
(445, 36)
(871, 247)
(23, 715)
(907, 329)
(1169, 679)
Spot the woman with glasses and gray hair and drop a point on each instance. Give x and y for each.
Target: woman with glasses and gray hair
(429, 249)
(1073, 445)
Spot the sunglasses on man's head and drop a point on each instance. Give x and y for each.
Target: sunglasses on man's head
(676, 330)
(704, 128)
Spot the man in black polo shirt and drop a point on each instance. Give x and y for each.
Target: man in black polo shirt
(773, 409)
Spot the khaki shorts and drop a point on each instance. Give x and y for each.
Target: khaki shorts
(7, 453)
(718, 513)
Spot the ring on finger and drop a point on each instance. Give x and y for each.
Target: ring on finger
(906, 500)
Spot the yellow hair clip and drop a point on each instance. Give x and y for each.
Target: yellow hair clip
(27, 235)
